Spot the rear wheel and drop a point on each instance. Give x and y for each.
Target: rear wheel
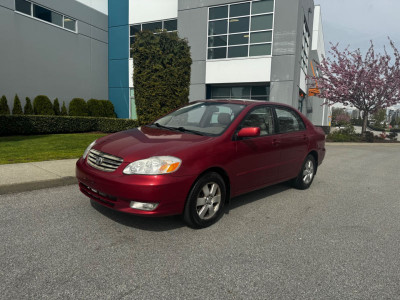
(206, 201)
(306, 175)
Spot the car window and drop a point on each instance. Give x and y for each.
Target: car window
(211, 118)
(260, 117)
(288, 120)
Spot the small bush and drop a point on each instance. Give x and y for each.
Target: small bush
(42, 106)
(108, 108)
(56, 107)
(17, 108)
(346, 134)
(63, 111)
(369, 137)
(95, 108)
(4, 109)
(28, 109)
(78, 107)
(28, 125)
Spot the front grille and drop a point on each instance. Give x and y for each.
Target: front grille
(98, 196)
(103, 161)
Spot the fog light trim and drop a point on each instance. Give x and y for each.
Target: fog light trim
(143, 205)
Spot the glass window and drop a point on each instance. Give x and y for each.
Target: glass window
(221, 92)
(135, 29)
(23, 6)
(132, 40)
(239, 51)
(47, 15)
(264, 6)
(154, 26)
(288, 120)
(240, 92)
(261, 22)
(260, 49)
(260, 117)
(171, 25)
(259, 90)
(220, 12)
(237, 39)
(69, 23)
(216, 53)
(217, 41)
(261, 37)
(239, 25)
(217, 27)
(242, 9)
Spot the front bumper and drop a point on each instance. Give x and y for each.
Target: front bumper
(116, 190)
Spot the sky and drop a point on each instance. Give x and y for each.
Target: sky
(356, 22)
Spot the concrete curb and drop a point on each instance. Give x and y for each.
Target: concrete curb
(37, 185)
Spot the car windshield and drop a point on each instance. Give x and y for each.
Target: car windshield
(205, 118)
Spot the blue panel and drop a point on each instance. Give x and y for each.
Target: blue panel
(118, 42)
(118, 73)
(120, 98)
(118, 56)
(118, 12)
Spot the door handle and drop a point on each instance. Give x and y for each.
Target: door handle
(275, 142)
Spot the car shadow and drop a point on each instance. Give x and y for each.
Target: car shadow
(175, 222)
(139, 222)
(256, 196)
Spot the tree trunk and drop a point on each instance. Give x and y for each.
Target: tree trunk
(365, 123)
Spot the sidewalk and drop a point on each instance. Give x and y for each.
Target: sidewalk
(24, 177)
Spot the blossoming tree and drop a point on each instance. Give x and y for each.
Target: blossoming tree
(369, 82)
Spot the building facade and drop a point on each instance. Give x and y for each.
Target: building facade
(261, 49)
(55, 48)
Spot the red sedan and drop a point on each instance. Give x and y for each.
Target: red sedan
(192, 161)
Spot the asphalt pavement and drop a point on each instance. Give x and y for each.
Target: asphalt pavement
(337, 240)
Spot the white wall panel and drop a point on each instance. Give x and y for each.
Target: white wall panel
(100, 5)
(141, 11)
(239, 70)
(131, 73)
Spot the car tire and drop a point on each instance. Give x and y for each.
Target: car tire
(206, 200)
(306, 174)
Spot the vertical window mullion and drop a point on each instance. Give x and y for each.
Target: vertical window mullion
(227, 31)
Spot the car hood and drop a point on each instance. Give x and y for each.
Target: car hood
(145, 142)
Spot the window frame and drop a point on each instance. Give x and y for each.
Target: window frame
(248, 32)
(31, 15)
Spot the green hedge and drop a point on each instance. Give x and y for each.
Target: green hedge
(78, 107)
(101, 108)
(43, 106)
(29, 125)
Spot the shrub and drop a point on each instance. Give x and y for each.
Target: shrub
(17, 108)
(28, 109)
(369, 137)
(4, 109)
(56, 107)
(63, 111)
(108, 108)
(95, 108)
(161, 74)
(346, 134)
(28, 125)
(42, 106)
(78, 107)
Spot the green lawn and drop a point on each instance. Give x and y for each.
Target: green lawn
(19, 149)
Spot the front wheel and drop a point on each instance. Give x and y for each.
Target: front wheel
(306, 175)
(206, 201)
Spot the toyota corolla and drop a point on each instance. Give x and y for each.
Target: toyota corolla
(192, 161)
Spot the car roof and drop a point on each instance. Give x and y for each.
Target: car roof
(246, 102)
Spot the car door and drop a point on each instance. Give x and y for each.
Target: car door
(257, 158)
(293, 141)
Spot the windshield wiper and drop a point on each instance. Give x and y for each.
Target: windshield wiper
(181, 129)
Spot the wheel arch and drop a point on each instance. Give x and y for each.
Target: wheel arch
(315, 155)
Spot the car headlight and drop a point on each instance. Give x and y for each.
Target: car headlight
(88, 149)
(154, 166)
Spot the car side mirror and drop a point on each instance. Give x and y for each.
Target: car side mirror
(249, 132)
